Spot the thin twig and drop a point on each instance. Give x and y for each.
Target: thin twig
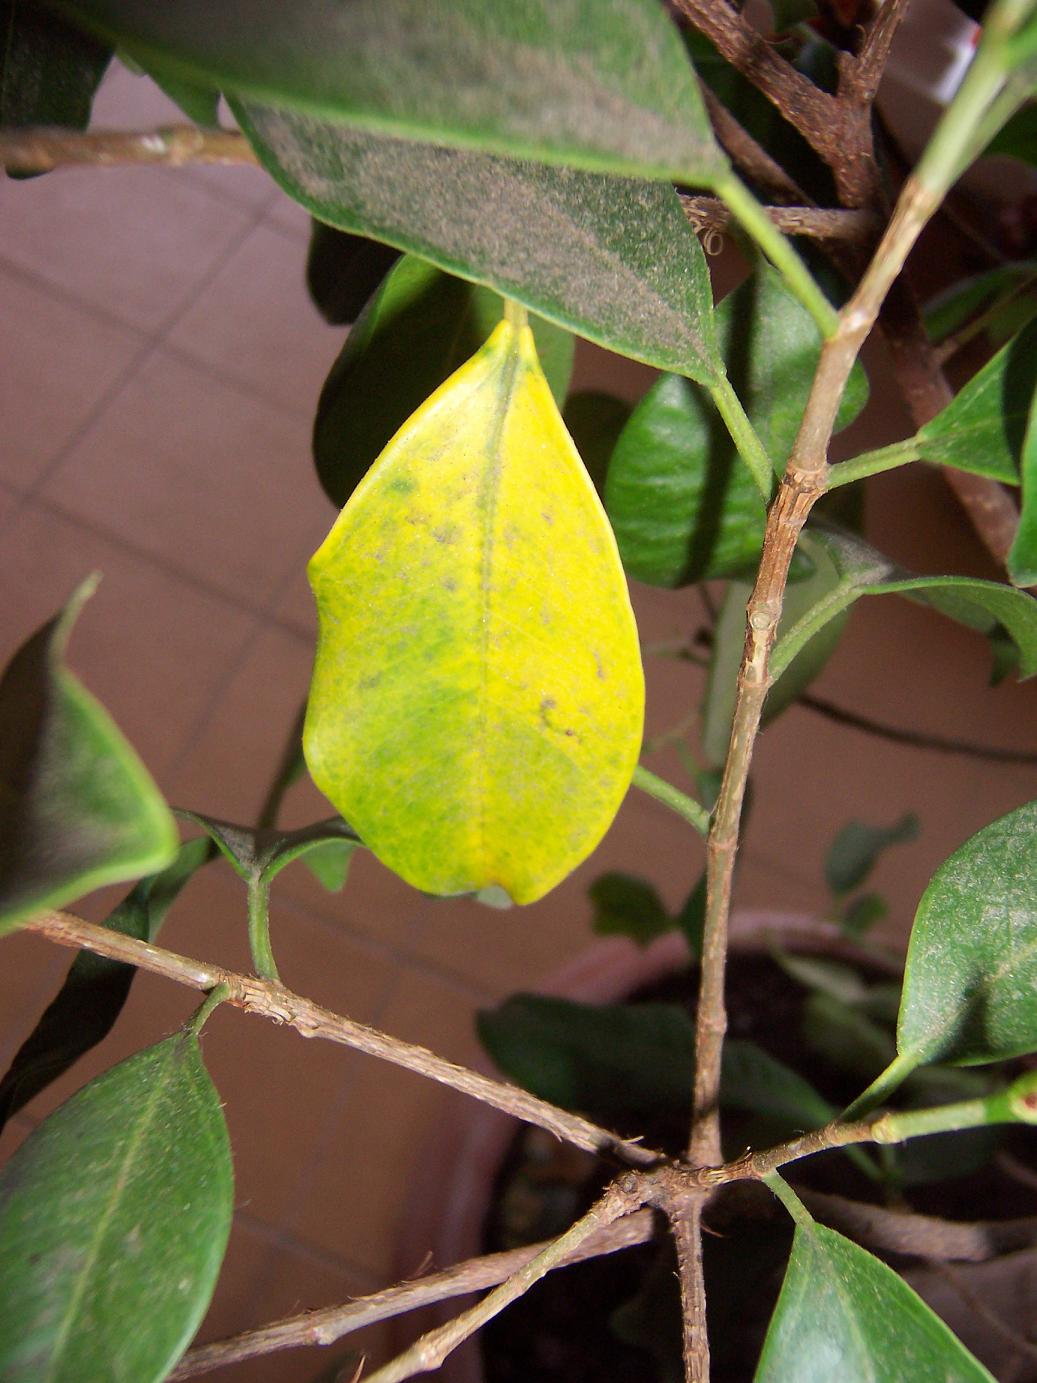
(708, 214)
(39, 149)
(915, 738)
(428, 1353)
(325, 1327)
(685, 1219)
(752, 158)
(281, 1005)
(921, 1236)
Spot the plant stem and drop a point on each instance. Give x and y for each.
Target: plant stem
(289, 769)
(213, 999)
(38, 150)
(754, 219)
(259, 927)
(428, 1353)
(941, 744)
(789, 1199)
(874, 462)
(686, 1225)
(881, 1087)
(332, 1323)
(744, 436)
(817, 223)
(686, 807)
(273, 1001)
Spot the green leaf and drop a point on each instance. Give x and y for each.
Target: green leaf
(1022, 558)
(801, 598)
(683, 507)
(982, 605)
(594, 422)
(477, 703)
(846, 1037)
(198, 101)
(843, 1314)
(419, 327)
(600, 84)
(691, 920)
(855, 851)
(84, 1010)
(754, 1081)
(77, 807)
(343, 271)
(49, 70)
(627, 906)
(860, 915)
(609, 1060)
(951, 310)
(1017, 138)
(612, 259)
(260, 853)
(114, 1217)
(970, 985)
(982, 429)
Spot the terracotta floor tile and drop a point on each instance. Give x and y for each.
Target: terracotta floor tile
(355, 1202)
(152, 648)
(274, 340)
(60, 361)
(201, 475)
(60, 228)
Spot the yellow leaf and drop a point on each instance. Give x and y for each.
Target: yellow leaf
(477, 700)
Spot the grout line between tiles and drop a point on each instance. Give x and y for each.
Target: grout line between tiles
(277, 1238)
(60, 293)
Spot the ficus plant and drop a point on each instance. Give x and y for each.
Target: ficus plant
(488, 181)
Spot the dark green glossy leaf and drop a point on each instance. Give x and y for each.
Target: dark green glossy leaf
(343, 271)
(49, 70)
(594, 422)
(612, 259)
(114, 1217)
(328, 861)
(608, 1061)
(84, 1010)
(602, 84)
(856, 849)
(1011, 284)
(970, 985)
(1022, 558)
(1017, 138)
(259, 854)
(985, 606)
(801, 598)
(625, 905)
(843, 1314)
(420, 326)
(77, 807)
(982, 429)
(682, 506)
(757, 1083)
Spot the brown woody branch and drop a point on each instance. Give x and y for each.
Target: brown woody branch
(273, 1001)
(750, 156)
(39, 149)
(708, 214)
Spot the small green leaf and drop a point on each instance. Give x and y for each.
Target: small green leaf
(608, 1061)
(1010, 284)
(861, 914)
(594, 422)
(259, 854)
(856, 849)
(822, 975)
(77, 807)
(49, 70)
(691, 919)
(757, 1083)
(982, 429)
(970, 985)
(801, 598)
(846, 1037)
(600, 84)
(477, 701)
(84, 1010)
(1022, 559)
(627, 906)
(982, 605)
(419, 327)
(683, 507)
(1017, 137)
(198, 101)
(114, 1218)
(343, 271)
(843, 1314)
(612, 259)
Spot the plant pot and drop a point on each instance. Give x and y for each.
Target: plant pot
(449, 1200)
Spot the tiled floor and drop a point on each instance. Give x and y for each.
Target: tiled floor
(160, 368)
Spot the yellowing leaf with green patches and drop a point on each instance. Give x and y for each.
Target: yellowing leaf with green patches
(477, 700)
